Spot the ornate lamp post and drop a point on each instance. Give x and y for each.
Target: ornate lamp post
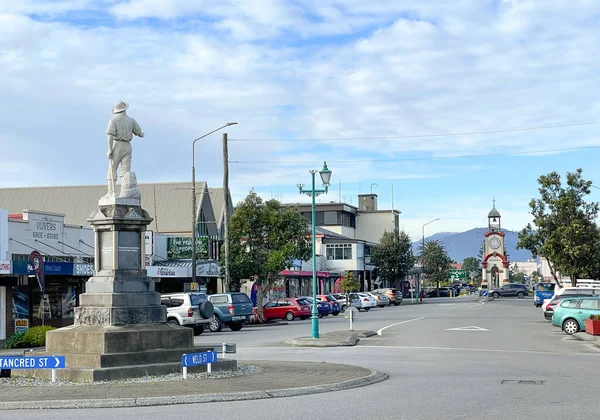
(325, 178)
(194, 211)
(423, 249)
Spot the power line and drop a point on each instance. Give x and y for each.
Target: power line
(532, 152)
(416, 136)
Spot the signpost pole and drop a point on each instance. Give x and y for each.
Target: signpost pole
(224, 349)
(53, 375)
(209, 368)
(351, 312)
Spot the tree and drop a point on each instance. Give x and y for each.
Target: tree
(393, 256)
(473, 268)
(515, 275)
(435, 261)
(265, 239)
(563, 229)
(349, 284)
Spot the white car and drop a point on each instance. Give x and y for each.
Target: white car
(365, 301)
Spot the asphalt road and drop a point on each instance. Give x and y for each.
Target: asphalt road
(448, 359)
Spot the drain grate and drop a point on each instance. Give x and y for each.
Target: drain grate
(521, 382)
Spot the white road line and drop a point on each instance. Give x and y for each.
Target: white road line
(479, 304)
(380, 331)
(366, 346)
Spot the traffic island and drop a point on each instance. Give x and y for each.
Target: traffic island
(332, 339)
(271, 381)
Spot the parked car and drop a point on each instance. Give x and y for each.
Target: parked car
(365, 301)
(394, 295)
(443, 292)
(192, 310)
(343, 301)
(287, 308)
(231, 310)
(382, 300)
(550, 304)
(323, 307)
(510, 289)
(335, 306)
(571, 312)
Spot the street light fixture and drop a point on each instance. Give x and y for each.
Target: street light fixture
(194, 216)
(423, 249)
(325, 179)
(377, 185)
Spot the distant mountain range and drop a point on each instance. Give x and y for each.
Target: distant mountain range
(460, 245)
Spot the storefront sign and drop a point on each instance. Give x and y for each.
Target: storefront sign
(83, 270)
(157, 271)
(5, 267)
(208, 270)
(21, 325)
(149, 239)
(180, 247)
(50, 268)
(46, 228)
(292, 273)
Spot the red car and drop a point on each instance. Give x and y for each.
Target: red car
(287, 308)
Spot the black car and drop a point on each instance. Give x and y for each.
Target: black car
(510, 289)
(444, 292)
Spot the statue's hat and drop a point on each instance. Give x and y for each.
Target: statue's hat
(120, 107)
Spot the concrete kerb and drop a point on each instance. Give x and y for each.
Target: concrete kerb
(332, 339)
(583, 336)
(373, 378)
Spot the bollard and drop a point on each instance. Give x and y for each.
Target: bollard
(209, 368)
(224, 349)
(53, 375)
(184, 369)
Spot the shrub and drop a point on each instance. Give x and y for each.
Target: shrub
(595, 317)
(14, 341)
(36, 336)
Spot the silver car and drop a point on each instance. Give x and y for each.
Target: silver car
(188, 310)
(365, 301)
(382, 300)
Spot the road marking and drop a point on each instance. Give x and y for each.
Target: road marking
(365, 346)
(380, 331)
(471, 328)
(479, 304)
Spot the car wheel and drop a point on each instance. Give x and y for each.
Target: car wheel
(366, 309)
(335, 313)
(397, 303)
(303, 318)
(215, 325)
(198, 330)
(235, 326)
(343, 307)
(570, 326)
(206, 309)
(520, 295)
(289, 316)
(321, 315)
(172, 321)
(495, 295)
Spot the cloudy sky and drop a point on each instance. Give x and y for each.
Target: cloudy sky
(447, 103)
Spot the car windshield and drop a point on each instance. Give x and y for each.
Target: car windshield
(544, 287)
(304, 301)
(197, 298)
(241, 298)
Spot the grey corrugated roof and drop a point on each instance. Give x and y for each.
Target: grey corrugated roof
(170, 204)
(217, 199)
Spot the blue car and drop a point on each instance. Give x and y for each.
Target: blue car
(541, 292)
(323, 308)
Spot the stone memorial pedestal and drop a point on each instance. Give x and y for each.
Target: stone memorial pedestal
(120, 327)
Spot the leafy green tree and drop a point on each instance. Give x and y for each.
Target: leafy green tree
(393, 256)
(473, 268)
(435, 261)
(265, 239)
(563, 229)
(515, 275)
(349, 284)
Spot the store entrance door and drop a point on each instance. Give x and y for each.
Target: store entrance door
(2, 313)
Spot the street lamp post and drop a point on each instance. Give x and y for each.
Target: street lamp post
(194, 216)
(377, 185)
(423, 249)
(325, 178)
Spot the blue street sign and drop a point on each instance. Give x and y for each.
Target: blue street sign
(32, 362)
(195, 359)
(484, 293)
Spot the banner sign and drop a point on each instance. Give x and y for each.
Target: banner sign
(50, 268)
(180, 247)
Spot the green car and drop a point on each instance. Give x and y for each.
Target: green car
(571, 313)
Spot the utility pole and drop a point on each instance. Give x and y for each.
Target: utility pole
(226, 212)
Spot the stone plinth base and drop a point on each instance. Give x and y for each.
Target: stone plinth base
(96, 353)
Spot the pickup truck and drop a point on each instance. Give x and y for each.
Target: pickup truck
(231, 309)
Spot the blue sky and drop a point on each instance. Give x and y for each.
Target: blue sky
(389, 73)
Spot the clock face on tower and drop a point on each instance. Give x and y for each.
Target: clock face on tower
(494, 242)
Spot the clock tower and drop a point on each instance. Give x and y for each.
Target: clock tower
(495, 263)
